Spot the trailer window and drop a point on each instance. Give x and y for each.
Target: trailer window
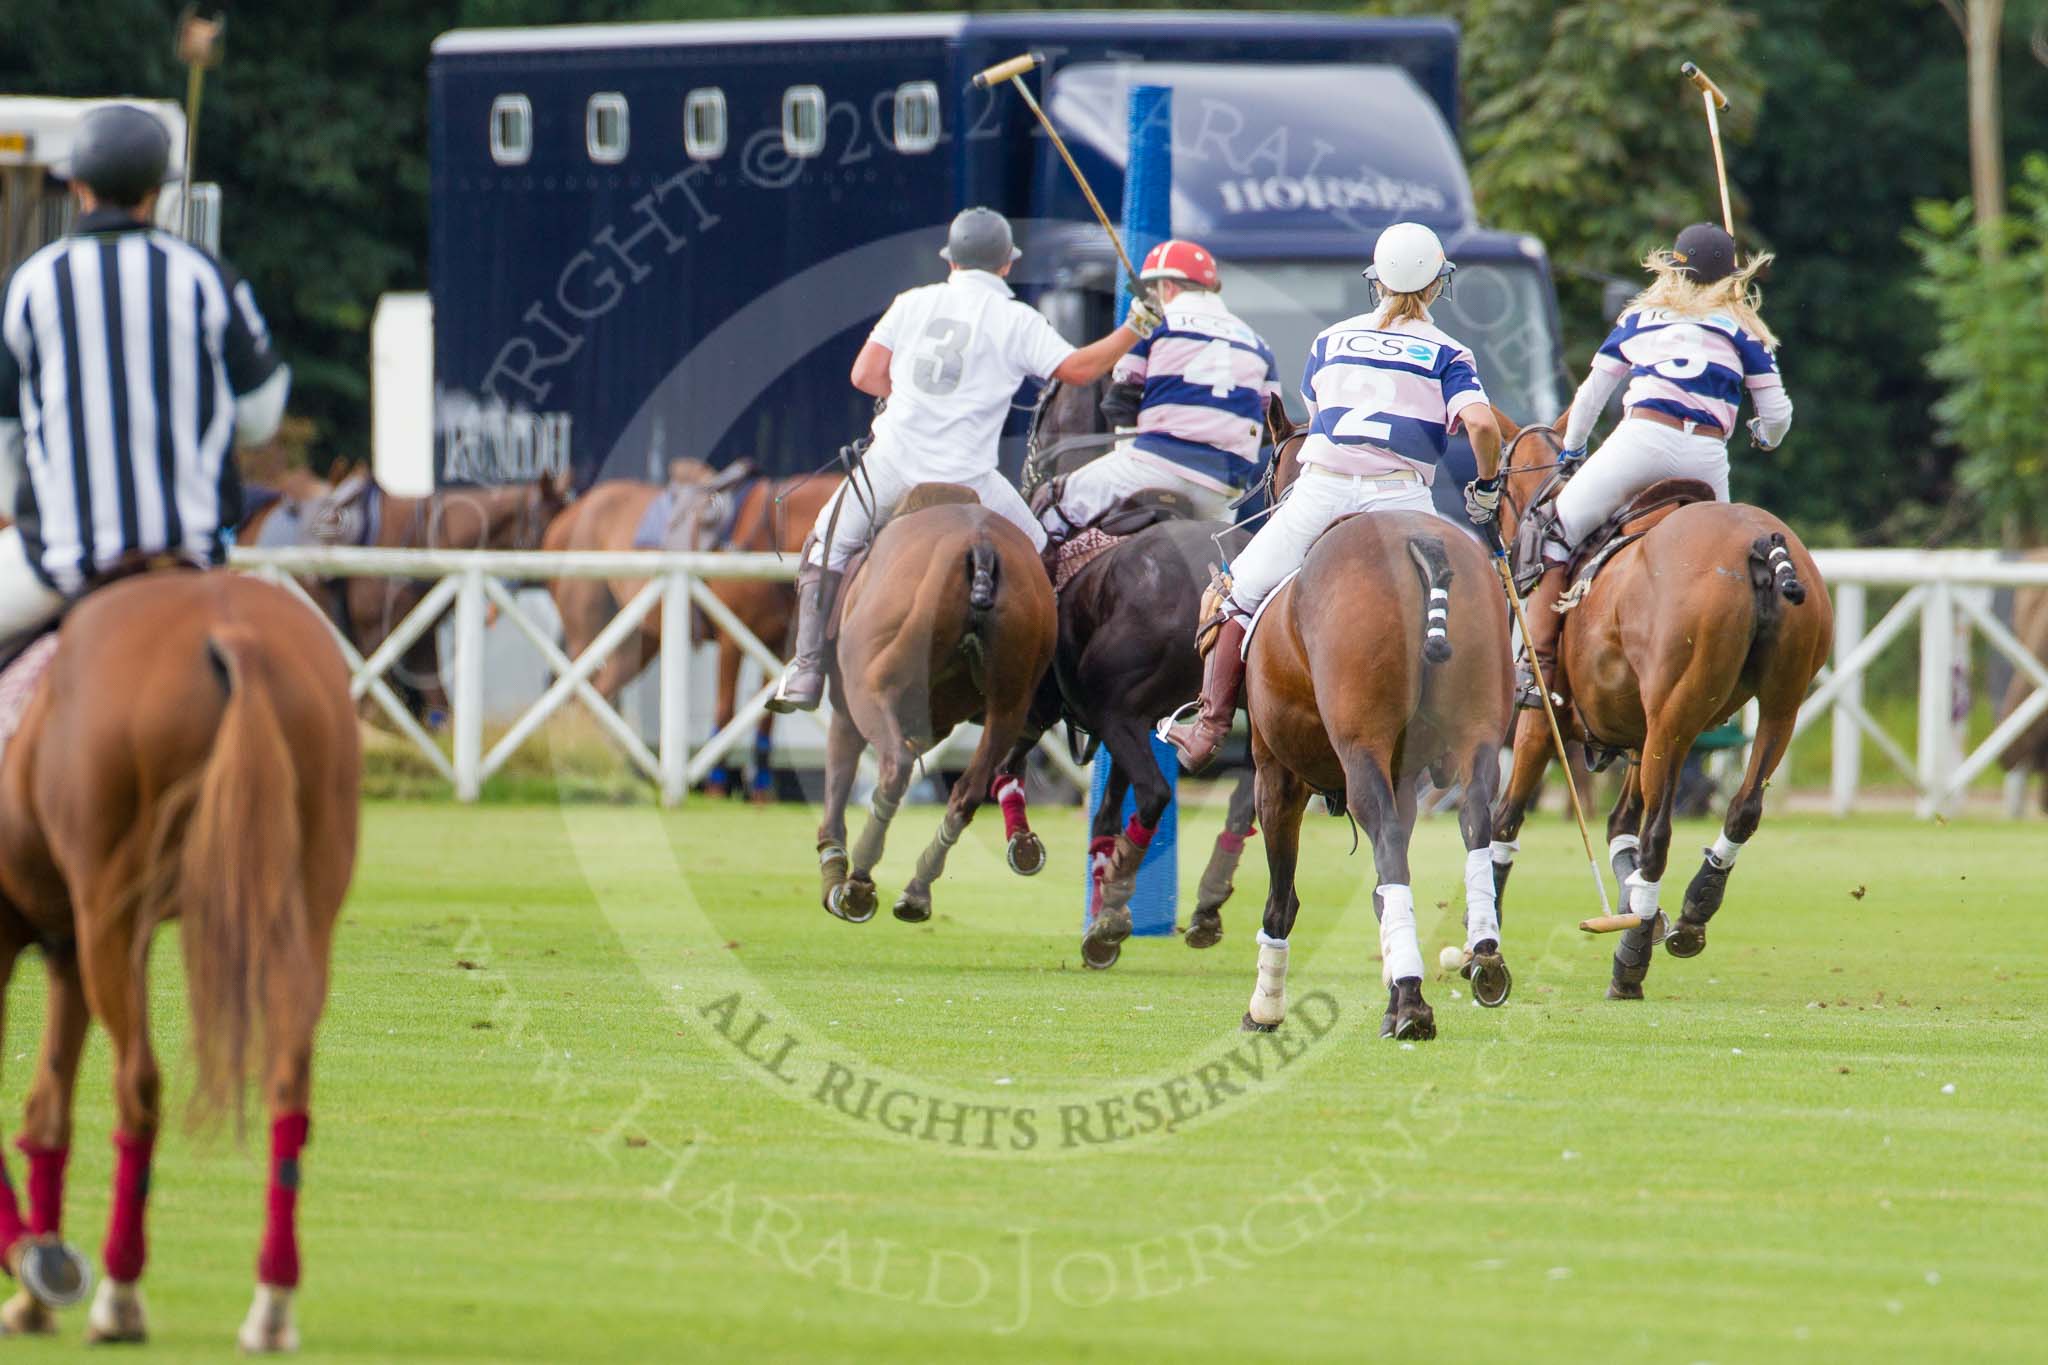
(704, 124)
(803, 120)
(604, 128)
(511, 130)
(917, 116)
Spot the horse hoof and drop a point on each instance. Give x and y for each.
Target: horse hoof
(1204, 930)
(117, 1315)
(852, 900)
(1251, 1025)
(25, 1315)
(1413, 1021)
(1624, 990)
(717, 791)
(269, 1328)
(1026, 854)
(54, 1273)
(1491, 980)
(1686, 939)
(1100, 955)
(913, 907)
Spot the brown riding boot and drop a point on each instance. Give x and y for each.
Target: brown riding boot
(1538, 671)
(803, 682)
(1197, 740)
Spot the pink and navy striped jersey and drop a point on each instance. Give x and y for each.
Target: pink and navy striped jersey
(1206, 379)
(1694, 369)
(1385, 399)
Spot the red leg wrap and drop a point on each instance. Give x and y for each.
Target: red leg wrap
(125, 1249)
(1100, 851)
(1141, 835)
(45, 1186)
(12, 1229)
(278, 1263)
(1009, 794)
(1233, 843)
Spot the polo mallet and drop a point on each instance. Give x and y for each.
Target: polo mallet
(1608, 920)
(1713, 99)
(198, 48)
(1013, 71)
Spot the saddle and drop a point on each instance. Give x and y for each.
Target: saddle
(1067, 556)
(1624, 527)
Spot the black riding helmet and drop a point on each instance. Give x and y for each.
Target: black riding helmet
(121, 153)
(1705, 252)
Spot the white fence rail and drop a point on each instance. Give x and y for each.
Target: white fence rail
(474, 581)
(1948, 592)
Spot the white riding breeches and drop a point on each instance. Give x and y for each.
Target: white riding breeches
(882, 486)
(1636, 455)
(1317, 499)
(1102, 483)
(26, 602)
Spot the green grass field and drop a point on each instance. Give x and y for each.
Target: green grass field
(548, 1127)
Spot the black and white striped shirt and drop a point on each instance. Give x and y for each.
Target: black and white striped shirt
(123, 350)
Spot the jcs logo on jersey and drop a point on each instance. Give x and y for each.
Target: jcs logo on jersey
(1389, 346)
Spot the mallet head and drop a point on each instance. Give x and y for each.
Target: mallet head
(1003, 71)
(1705, 83)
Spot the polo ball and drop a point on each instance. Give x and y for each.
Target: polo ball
(1450, 959)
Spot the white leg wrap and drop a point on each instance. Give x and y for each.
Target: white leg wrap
(1399, 952)
(1269, 997)
(1642, 895)
(1620, 842)
(1482, 912)
(1504, 853)
(1723, 852)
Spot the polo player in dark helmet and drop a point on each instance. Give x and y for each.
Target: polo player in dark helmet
(132, 364)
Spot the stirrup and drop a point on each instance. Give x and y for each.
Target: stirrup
(1185, 714)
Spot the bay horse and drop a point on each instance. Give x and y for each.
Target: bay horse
(950, 618)
(191, 754)
(1386, 657)
(772, 515)
(1717, 603)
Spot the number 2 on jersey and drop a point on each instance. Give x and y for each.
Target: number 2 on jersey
(1365, 393)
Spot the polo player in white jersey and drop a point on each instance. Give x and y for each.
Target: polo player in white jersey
(1385, 390)
(949, 358)
(1201, 383)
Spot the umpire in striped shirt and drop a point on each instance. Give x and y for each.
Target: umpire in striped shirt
(132, 364)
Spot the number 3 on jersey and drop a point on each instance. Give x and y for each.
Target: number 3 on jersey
(1364, 392)
(939, 359)
(1213, 365)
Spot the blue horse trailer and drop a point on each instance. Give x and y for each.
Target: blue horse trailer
(668, 239)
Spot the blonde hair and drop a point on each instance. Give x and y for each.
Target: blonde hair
(1675, 291)
(1407, 307)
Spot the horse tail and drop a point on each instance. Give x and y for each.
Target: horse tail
(1434, 568)
(237, 877)
(982, 576)
(1772, 574)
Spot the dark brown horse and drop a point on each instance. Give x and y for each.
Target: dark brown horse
(950, 619)
(1716, 604)
(772, 515)
(192, 754)
(1386, 658)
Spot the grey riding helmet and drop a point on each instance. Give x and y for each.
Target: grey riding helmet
(980, 240)
(121, 153)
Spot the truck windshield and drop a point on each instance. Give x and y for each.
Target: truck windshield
(1495, 307)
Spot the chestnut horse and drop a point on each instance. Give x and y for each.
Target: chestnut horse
(949, 619)
(1385, 658)
(1716, 604)
(191, 754)
(772, 515)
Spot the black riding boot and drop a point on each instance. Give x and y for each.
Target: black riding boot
(803, 682)
(1539, 670)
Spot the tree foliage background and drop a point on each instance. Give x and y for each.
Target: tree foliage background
(1845, 117)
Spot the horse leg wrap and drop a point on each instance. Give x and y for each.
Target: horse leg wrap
(45, 1186)
(1269, 996)
(1724, 852)
(1009, 794)
(1219, 877)
(278, 1262)
(867, 850)
(1621, 856)
(1642, 895)
(125, 1249)
(1503, 852)
(12, 1229)
(1400, 954)
(1100, 850)
(1482, 906)
(1704, 892)
(1632, 953)
(931, 864)
(1120, 878)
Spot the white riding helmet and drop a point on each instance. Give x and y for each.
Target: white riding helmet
(1407, 259)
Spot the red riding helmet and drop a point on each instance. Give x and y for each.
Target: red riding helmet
(1183, 261)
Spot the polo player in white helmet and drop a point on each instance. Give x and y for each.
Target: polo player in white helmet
(1385, 390)
(1196, 391)
(948, 358)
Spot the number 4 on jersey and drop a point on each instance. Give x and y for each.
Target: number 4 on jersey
(1213, 365)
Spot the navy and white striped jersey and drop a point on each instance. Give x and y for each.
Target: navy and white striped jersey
(1694, 369)
(123, 350)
